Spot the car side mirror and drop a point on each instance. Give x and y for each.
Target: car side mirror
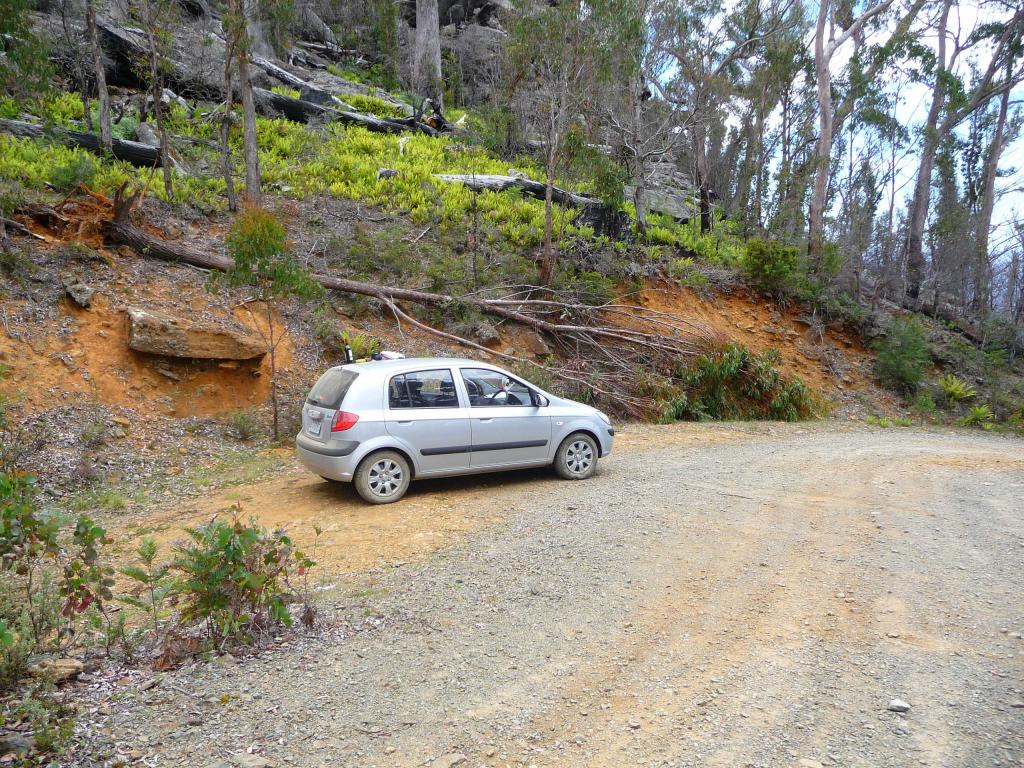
(539, 400)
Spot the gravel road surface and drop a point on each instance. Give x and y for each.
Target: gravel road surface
(755, 599)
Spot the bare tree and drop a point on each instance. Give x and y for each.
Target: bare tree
(98, 73)
(237, 22)
(426, 62)
(826, 44)
(556, 56)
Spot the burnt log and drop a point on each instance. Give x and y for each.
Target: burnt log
(537, 189)
(132, 152)
(302, 111)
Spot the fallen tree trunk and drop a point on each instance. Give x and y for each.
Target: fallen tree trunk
(537, 189)
(322, 97)
(132, 152)
(303, 111)
(607, 356)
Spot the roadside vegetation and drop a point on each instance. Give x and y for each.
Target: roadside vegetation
(231, 584)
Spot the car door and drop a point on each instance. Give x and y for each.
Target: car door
(424, 410)
(507, 428)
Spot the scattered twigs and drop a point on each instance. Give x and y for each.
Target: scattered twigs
(606, 346)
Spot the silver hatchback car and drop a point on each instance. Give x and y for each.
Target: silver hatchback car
(383, 423)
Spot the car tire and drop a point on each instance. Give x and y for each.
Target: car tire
(382, 477)
(576, 457)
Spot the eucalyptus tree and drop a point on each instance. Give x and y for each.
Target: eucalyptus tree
(646, 130)
(237, 22)
(705, 43)
(836, 26)
(559, 55)
(426, 61)
(952, 103)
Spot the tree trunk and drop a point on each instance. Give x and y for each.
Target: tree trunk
(982, 265)
(639, 157)
(917, 215)
(99, 72)
(1012, 281)
(249, 140)
(823, 148)
(494, 183)
(272, 346)
(133, 152)
(547, 267)
(426, 64)
(225, 129)
(157, 91)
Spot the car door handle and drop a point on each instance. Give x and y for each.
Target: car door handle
(407, 421)
(487, 419)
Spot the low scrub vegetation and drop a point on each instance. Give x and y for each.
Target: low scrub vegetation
(735, 383)
(903, 355)
(231, 584)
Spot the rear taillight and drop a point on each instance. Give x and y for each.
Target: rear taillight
(343, 420)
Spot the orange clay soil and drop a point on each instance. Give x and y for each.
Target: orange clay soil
(94, 360)
(761, 326)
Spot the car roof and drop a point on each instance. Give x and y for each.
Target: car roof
(405, 364)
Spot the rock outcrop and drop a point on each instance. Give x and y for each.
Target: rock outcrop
(157, 333)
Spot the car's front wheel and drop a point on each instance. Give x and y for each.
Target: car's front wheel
(576, 458)
(383, 477)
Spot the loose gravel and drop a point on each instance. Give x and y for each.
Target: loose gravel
(761, 602)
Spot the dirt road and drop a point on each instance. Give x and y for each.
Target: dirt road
(755, 598)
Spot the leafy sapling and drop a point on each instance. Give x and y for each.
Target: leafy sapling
(152, 577)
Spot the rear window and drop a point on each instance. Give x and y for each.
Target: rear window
(331, 388)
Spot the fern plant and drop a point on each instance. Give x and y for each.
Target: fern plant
(978, 416)
(956, 389)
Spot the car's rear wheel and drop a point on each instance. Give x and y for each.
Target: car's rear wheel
(383, 477)
(576, 458)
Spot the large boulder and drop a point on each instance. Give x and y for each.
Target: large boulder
(162, 334)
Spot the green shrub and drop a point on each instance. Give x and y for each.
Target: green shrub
(363, 345)
(903, 355)
(100, 496)
(770, 265)
(245, 423)
(48, 583)
(736, 383)
(234, 578)
(956, 389)
(50, 720)
(79, 169)
(373, 105)
(153, 582)
(282, 90)
(685, 272)
(590, 288)
(94, 433)
(978, 416)
(925, 405)
(885, 421)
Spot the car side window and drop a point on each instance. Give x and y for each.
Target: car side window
(489, 388)
(423, 389)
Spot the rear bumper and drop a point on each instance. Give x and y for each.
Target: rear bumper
(331, 460)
